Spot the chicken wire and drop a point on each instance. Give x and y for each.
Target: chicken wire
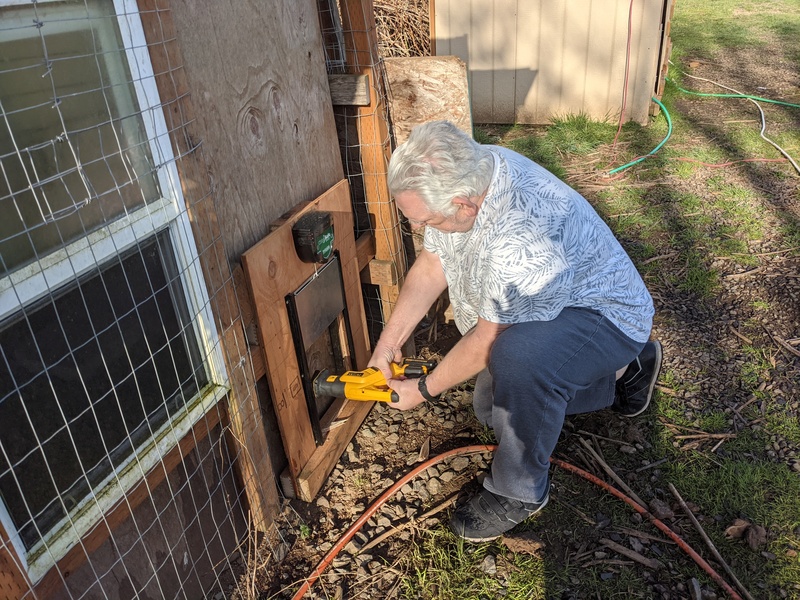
(355, 34)
(119, 472)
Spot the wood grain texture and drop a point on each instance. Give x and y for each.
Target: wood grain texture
(349, 90)
(262, 108)
(274, 270)
(358, 18)
(202, 198)
(14, 582)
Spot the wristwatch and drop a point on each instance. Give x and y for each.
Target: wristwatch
(423, 389)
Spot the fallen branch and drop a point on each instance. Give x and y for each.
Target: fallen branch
(390, 532)
(650, 563)
(706, 436)
(743, 273)
(607, 561)
(781, 343)
(786, 346)
(607, 439)
(610, 472)
(660, 257)
(651, 465)
(744, 338)
(582, 515)
(708, 541)
(641, 535)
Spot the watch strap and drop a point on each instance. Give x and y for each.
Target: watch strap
(423, 389)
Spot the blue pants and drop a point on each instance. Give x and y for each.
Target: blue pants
(539, 372)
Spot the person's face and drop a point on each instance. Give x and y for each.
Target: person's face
(419, 215)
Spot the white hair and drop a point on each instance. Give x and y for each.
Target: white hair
(440, 162)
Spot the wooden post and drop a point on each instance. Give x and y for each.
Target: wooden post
(246, 430)
(361, 42)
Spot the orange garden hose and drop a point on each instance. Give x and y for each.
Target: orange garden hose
(348, 535)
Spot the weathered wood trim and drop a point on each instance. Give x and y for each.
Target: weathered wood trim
(365, 249)
(349, 90)
(358, 17)
(14, 582)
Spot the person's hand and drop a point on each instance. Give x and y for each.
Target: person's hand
(408, 391)
(383, 356)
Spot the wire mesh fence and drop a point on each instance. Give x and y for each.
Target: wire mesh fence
(127, 389)
(122, 472)
(352, 45)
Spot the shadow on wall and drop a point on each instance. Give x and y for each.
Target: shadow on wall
(496, 95)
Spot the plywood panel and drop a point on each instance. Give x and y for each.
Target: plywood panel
(263, 108)
(202, 198)
(568, 56)
(274, 270)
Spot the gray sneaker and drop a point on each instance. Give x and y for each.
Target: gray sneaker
(635, 387)
(486, 516)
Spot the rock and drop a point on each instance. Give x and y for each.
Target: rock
(661, 509)
(756, 536)
(489, 565)
(459, 463)
(280, 551)
(434, 486)
(352, 547)
(737, 529)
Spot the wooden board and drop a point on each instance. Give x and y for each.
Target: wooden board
(427, 88)
(262, 109)
(273, 270)
(202, 199)
(358, 18)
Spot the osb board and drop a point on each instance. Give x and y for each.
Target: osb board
(427, 88)
(273, 270)
(263, 112)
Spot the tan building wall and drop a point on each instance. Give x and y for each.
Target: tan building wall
(532, 60)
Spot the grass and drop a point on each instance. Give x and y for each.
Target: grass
(442, 567)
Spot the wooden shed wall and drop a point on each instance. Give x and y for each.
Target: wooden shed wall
(531, 60)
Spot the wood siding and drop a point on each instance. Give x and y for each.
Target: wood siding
(532, 60)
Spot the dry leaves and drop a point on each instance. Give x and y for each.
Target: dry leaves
(754, 535)
(524, 542)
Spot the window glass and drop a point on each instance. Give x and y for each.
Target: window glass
(86, 377)
(74, 153)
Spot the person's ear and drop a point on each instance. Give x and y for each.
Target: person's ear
(467, 205)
